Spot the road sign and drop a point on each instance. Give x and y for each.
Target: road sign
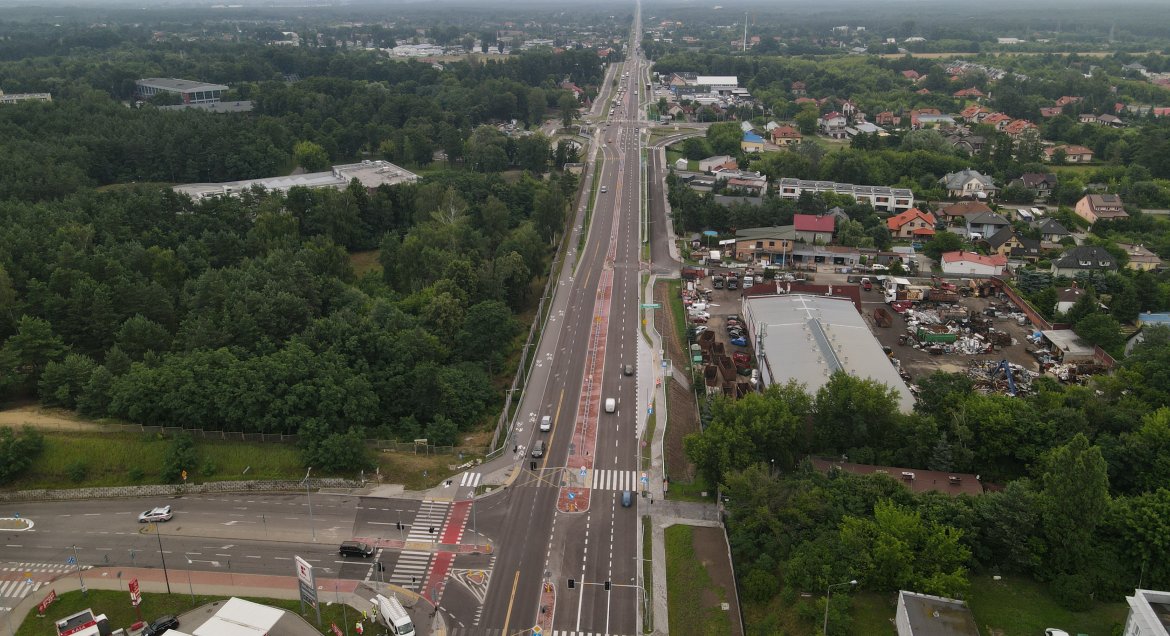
(582, 473)
(43, 605)
(651, 306)
(650, 411)
(135, 593)
(664, 364)
(71, 561)
(572, 496)
(645, 479)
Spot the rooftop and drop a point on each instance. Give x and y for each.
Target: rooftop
(180, 85)
(1151, 610)
(370, 174)
(807, 338)
(937, 616)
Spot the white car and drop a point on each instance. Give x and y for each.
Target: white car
(1052, 631)
(162, 513)
(546, 423)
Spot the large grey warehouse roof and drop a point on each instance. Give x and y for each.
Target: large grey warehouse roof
(180, 85)
(807, 338)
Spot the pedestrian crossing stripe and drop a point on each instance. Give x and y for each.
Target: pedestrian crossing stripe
(615, 480)
(479, 631)
(470, 480)
(15, 589)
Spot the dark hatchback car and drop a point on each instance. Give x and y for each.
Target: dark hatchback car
(355, 549)
(160, 626)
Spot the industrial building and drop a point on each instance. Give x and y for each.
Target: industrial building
(925, 615)
(192, 92)
(24, 97)
(807, 338)
(883, 199)
(370, 174)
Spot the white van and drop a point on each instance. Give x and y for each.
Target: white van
(392, 615)
(610, 405)
(546, 424)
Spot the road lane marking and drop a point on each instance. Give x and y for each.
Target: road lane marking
(511, 600)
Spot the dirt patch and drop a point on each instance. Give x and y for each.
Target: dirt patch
(683, 419)
(711, 551)
(48, 419)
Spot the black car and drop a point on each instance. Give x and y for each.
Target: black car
(355, 549)
(160, 626)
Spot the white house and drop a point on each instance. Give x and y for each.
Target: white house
(681, 163)
(973, 264)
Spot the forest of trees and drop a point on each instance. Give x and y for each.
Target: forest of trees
(245, 313)
(1079, 497)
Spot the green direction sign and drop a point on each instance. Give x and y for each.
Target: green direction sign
(651, 305)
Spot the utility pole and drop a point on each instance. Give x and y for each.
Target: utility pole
(312, 525)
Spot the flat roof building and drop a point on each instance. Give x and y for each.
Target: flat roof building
(1149, 614)
(883, 199)
(192, 92)
(24, 97)
(926, 615)
(806, 338)
(370, 174)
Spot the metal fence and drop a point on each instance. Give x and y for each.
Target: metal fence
(159, 490)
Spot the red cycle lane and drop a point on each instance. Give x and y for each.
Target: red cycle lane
(451, 533)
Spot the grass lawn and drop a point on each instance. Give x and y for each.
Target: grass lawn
(647, 572)
(687, 585)
(690, 491)
(678, 312)
(363, 262)
(645, 442)
(871, 614)
(105, 459)
(116, 606)
(1021, 607)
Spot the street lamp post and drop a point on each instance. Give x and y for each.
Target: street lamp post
(190, 587)
(77, 563)
(825, 629)
(312, 526)
(166, 577)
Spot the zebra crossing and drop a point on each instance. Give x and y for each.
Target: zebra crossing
(615, 480)
(15, 584)
(470, 480)
(410, 568)
(479, 631)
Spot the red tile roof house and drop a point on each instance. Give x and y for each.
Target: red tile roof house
(970, 92)
(905, 224)
(971, 263)
(814, 228)
(785, 135)
(1072, 154)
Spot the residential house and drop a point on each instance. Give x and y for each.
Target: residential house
(887, 118)
(1140, 257)
(681, 163)
(1149, 613)
(1066, 298)
(1018, 127)
(1084, 258)
(911, 223)
(771, 244)
(814, 228)
(718, 161)
(1007, 242)
(785, 136)
(1049, 112)
(973, 264)
(832, 125)
(958, 212)
(1067, 100)
(1051, 231)
(974, 113)
(751, 142)
(798, 89)
(972, 144)
(743, 179)
(676, 112)
(985, 224)
(805, 101)
(970, 93)
(746, 127)
(849, 109)
(1072, 153)
(1112, 121)
(1087, 118)
(1135, 68)
(998, 120)
(910, 75)
(1095, 207)
(969, 183)
(1040, 183)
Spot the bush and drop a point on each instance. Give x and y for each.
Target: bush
(181, 455)
(77, 471)
(1073, 592)
(136, 474)
(17, 452)
(759, 586)
(209, 468)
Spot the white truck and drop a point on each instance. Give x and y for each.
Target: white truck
(393, 615)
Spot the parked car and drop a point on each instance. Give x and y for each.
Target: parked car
(699, 320)
(735, 332)
(161, 513)
(160, 626)
(739, 342)
(700, 329)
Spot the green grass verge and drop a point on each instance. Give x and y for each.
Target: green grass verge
(647, 574)
(1021, 607)
(106, 459)
(691, 490)
(647, 439)
(116, 606)
(686, 585)
(871, 613)
(678, 312)
(597, 167)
